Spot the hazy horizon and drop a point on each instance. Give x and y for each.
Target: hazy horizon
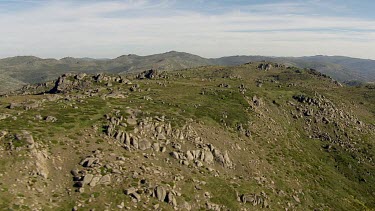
(107, 29)
(85, 57)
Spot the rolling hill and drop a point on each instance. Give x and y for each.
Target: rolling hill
(17, 71)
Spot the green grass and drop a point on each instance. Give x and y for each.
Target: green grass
(285, 155)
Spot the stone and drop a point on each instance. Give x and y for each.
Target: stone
(156, 146)
(185, 162)
(129, 191)
(189, 155)
(87, 179)
(160, 193)
(78, 184)
(212, 206)
(265, 66)
(80, 76)
(134, 142)
(171, 199)
(223, 159)
(95, 181)
(208, 157)
(88, 162)
(75, 172)
(297, 199)
(257, 101)
(118, 135)
(161, 136)
(227, 161)
(4, 116)
(121, 206)
(196, 154)
(50, 119)
(247, 133)
(116, 171)
(62, 84)
(144, 144)
(38, 117)
(175, 155)
(136, 196)
(148, 74)
(131, 121)
(110, 130)
(198, 163)
(159, 129)
(309, 112)
(14, 105)
(105, 180)
(127, 139)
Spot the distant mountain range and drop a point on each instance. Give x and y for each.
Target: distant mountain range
(18, 71)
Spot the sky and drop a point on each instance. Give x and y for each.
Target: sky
(108, 29)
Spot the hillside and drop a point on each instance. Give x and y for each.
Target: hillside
(29, 69)
(248, 137)
(338, 67)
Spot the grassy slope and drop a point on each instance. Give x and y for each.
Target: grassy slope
(279, 149)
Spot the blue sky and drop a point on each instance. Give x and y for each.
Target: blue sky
(107, 29)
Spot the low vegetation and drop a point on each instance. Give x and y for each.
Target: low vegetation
(207, 138)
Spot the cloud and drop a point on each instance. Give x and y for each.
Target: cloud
(112, 28)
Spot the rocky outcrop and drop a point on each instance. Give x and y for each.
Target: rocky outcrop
(27, 105)
(157, 134)
(69, 82)
(92, 173)
(159, 192)
(265, 66)
(208, 155)
(255, 199)
(148, 74)
(327, 122)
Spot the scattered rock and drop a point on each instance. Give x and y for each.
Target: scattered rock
(130, 191)
(50, 119)
(160, 193)
(105, 180)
